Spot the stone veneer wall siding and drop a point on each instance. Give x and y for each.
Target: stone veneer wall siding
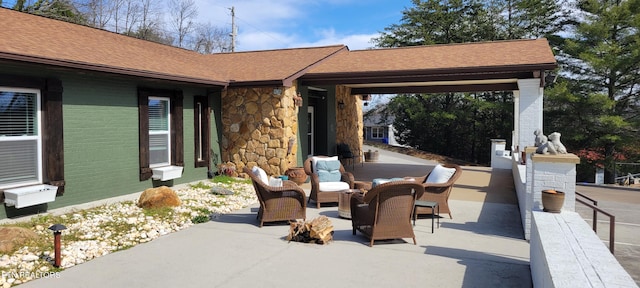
(257, 128)
(349, 122)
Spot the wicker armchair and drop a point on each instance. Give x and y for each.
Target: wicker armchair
(385, 212)
(326, 192)
(438, 192)
(279, 203)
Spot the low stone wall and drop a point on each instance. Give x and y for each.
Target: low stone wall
(565, 252)
(519, 181)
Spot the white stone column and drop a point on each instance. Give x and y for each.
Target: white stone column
(550, 172)
(515, 138)
(529, 111)
(498, 147)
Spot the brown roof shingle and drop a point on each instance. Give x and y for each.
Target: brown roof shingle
(436, 57)
(38, 39)
(270, 65)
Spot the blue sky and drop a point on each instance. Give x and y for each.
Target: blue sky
(278, 24)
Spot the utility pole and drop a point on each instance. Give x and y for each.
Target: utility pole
(234, 30)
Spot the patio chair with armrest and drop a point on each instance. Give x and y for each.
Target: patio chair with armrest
(328, 178)
(385, 212)
(277, 203)
(438, 184)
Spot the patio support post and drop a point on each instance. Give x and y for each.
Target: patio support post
(529, 111)
(527, 118)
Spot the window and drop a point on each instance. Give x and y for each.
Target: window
(159, 132)
(201, 126)
(20, 137)
(377, 132)
(31, 114)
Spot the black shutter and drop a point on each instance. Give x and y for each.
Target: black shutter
(177, 147)
(53, 139)
(203, 132)
(143, 132)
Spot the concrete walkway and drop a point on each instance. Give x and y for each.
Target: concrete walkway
(482, 246)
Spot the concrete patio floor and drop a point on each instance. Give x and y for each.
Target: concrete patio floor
(482, 246)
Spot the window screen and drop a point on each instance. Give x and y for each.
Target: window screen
(19, 137)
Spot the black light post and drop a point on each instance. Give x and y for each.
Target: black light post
(57, 231)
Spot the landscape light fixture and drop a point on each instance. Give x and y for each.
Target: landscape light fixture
(341, 104)
(57, 231)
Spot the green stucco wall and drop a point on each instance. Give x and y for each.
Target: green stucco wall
(100, 113)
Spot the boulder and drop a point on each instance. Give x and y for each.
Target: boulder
(162, 196)
(12, 237)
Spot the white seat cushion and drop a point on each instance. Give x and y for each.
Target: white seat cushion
(440, 174)
(333, 186)
(260, 174)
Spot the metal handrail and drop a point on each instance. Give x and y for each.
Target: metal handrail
(612, 219)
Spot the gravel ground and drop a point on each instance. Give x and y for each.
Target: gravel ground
(96, 232)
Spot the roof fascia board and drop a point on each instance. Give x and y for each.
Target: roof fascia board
(381, 79)
(109, 69)
(234, 84)
(462, 70)
(435, 89)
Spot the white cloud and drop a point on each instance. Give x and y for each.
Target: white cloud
(330, 37)
(276, 24)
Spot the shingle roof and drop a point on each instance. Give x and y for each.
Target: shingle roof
(270, 65)
(434, 57)
(38, 39)
(29, 38)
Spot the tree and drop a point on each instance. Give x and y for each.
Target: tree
(462, 123)
(58, 9)
(438, 22)
(210, 39)
(183, 12)
(599, 84)
(149, 23)
(126, 16)
(98, 12)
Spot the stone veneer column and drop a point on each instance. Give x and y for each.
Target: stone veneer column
(349, 122)
(260, 127)
(529, 111)
(550, 172)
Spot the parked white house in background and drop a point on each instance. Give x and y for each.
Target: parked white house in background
(378, 125)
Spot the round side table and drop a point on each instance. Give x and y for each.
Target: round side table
(344, 202)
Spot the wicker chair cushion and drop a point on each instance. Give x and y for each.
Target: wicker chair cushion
(328, 171)
(440, 174)
(275, 182)
(333, 186)
(315, 160)
(378, 181)
(260, 174)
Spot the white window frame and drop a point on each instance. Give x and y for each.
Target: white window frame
(200, 153)
(167, 132)
(37, 137)
(377, 131)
